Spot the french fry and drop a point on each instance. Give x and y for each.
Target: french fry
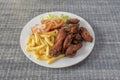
(37, 47)
(28, 39)
(36, 55)
(44, 35)
(52, 33)
(47, 51)
(28, 49)
(48, 41)
(43, 57)
(36, 38)
(42, 51)
(52, 39)
(55, 58)
(33, 42)
(42, 41)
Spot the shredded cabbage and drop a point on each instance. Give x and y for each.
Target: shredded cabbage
(53, 16)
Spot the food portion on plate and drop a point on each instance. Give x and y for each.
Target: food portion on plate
(55, 37)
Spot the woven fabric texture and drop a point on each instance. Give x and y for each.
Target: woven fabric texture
(102, 64)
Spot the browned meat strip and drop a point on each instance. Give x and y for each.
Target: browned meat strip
(62, 33)
(72, 49)
(67, 42)
(85, 34)
(72, 21)
(57, 48)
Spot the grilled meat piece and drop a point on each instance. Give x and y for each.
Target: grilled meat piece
(61, 34)
(76, 38)
(75, 41)
(72, 21)
(74, 29)
(67, 29)
(72, 49)
(67, 42)
(57, 48)
(85, 34)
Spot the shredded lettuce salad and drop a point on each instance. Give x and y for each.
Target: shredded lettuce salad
(52, 16)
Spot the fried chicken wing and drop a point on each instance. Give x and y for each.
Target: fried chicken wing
(61, 35)
(57, 48)
(67, 42)
(72, 49)
(85, 34)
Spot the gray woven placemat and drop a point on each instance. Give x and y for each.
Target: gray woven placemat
(102, 64)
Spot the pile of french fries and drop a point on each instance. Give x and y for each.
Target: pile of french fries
(40, 45)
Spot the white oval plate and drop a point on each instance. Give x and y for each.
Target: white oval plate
(82, 53)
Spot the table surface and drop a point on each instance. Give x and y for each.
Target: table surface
(102, 64)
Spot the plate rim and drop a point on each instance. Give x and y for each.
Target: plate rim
(48, 64)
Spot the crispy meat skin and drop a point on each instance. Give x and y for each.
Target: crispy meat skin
(75, 41)
(62, 33)
(74, 28)
(72, 21)
(72, 49)
(57, 48)
(76, 38)
(85, 34)
(67, 42)
(67, 29)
